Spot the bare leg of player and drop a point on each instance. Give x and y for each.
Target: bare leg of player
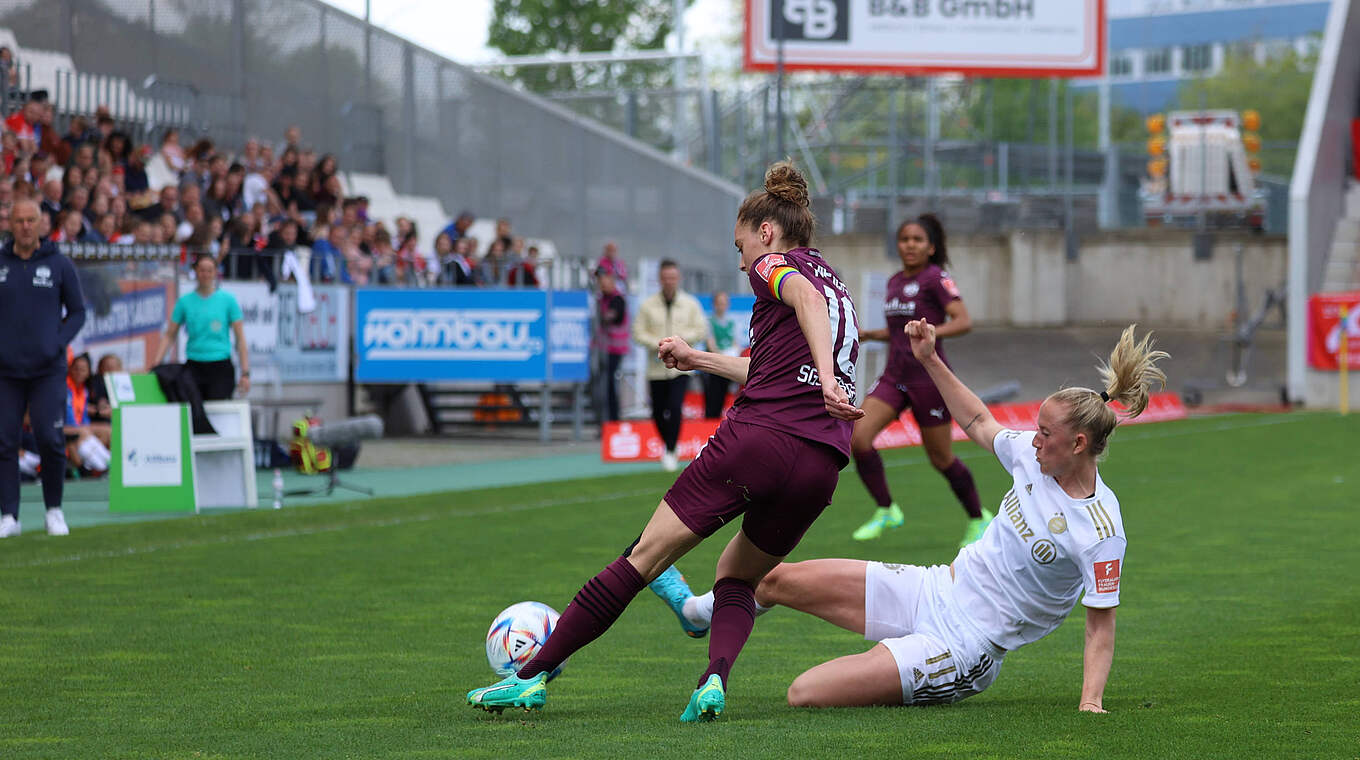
(856, 680)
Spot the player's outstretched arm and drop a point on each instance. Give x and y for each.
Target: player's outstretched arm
(967, 408)
(676, 353)
(1096, 660)
(815, 322)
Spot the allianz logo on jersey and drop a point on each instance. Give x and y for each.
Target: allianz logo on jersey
(451, 334)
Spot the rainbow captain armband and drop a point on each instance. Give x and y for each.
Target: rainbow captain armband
(774, 269)
(777, 280)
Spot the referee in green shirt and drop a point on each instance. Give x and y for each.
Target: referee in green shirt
(209, 316)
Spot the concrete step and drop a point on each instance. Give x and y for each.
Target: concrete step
(1340, 276)
(1344, 251)
(1348, 230)
(1353, 200)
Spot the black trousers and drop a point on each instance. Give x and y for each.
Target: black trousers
(215, 380)
(668, 407)
(45, 400)
(715, 395)
(611, 386)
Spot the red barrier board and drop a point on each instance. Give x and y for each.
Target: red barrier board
(1324, 329)
(637, 441)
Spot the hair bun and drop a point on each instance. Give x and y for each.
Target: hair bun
(784, 182)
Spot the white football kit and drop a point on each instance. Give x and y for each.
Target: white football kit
(1013, 586)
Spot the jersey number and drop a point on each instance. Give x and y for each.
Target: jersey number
(841, 308)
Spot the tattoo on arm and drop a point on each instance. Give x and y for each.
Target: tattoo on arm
(971, 422)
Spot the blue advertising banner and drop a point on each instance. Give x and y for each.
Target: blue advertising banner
(406, 336)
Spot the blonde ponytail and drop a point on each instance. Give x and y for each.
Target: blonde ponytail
(1128, 377)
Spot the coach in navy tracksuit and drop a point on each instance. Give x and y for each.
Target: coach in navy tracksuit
(36, 282)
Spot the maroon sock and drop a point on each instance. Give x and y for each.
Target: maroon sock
(870, 468)
(961, 480)
(596, 606)
(734, 614)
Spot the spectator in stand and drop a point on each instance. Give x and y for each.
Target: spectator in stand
(166, 229)
(491, 269)
(613, 338)
(135, 181)
(167, 203)
(503, 233)
(189, 196)
(70, 227)
(384, 257)
(328, 262)
(9, 152)
(611, 261)
(172, 153)
(49, 141)
(193, 219)
(52, 192)
(358, 262)
(525, 274)
(251, 158)
(39, 168)
(216, 202)
(24, 123)
(76, 133)
(119, 147)
(82, 155)
(105, 229)
(9, 69)
(325, 181)
(458, 227)
(669, 312)
(460, 269)
(292, 138)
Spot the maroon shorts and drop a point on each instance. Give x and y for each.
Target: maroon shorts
(780, 481)
(927, 405)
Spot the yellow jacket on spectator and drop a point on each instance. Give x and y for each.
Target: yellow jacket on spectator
(657, 319)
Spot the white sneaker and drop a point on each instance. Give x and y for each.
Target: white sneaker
(8, 527)
(669, 463)
(56, 523)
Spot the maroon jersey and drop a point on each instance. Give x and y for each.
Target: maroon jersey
(923, 295)
(783, 391)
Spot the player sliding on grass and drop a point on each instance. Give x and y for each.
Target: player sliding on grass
(775, 459)
(922, 289)
(942, 631)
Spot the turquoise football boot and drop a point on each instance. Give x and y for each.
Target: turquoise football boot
(526, 693)
(707, 701)
(673, 590)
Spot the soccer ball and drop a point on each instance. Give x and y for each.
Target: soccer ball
(517, 634)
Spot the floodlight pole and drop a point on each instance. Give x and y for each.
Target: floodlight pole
(779, 80)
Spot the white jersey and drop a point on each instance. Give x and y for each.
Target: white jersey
(1021, 579)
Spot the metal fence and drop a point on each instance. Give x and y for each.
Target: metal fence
(385, 105)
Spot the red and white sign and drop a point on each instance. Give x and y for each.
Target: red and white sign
(768, 264)
(638, 441)
(1107, 577)
(1009, 38)
(1023, 416)
(1324, 330)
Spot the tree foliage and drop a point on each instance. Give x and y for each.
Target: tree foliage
(535, 27)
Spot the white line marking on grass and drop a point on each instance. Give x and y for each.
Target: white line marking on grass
(331, 528)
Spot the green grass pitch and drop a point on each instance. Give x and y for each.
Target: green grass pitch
(355, 630)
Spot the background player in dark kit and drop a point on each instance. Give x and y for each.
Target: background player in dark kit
(921, 290)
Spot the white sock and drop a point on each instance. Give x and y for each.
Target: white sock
(699, 609)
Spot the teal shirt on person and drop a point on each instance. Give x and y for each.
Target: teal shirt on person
(207, 324)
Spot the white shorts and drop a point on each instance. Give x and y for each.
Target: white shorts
(940, 657)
